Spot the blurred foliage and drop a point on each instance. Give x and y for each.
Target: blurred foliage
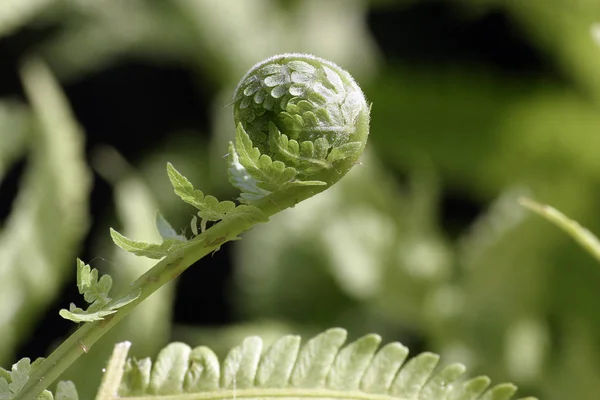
(384, 250)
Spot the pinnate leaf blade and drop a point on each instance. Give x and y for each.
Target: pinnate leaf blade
(169, 369)
(204, 371)
(348, 150)
(439, 386)
(19, 374)
(286, 370)
(136, 376)
(503, 391)
(307, 157)
(78, 315)
(184, 188)
(269, 175)
(413, 375)
(277, 364)
(381, 372)
(352, 362)
(210, 208)
(316, 357)
(95, 292)
(65, 390)
(471, 389)
(242, 180)
(150, 250)
(241, 364)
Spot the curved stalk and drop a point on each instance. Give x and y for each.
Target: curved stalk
(302, 123)
(163, 272)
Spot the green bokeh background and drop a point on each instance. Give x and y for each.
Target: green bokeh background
(424, 242)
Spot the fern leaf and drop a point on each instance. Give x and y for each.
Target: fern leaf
(241, 364)
(316, 358)
(500, 392)
(270, 175)
(472, 389)
(11, 382)
(306, 156)
(210, 209)
(242, 180)
(79, 315)
(169, 369)
(382, 369)
(95, 291)
(256, 174)
(203, 371)
(351, 363)
(150, 250)
(66, 390)
(310, 157)
(413, 375)
(436, 387)
(136, 377)
(19, 374)
(321, 368)
(278, 362)
(348, 150)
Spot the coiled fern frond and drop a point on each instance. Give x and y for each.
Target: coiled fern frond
(302, 121)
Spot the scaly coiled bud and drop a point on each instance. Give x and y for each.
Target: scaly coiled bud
(301, 122)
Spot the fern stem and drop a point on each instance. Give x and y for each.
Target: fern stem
(163, 272)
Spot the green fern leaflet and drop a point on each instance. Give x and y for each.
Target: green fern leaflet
(323, 368)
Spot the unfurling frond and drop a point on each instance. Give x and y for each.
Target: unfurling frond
(301, 121)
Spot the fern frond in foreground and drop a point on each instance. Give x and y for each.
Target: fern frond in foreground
(322, 368)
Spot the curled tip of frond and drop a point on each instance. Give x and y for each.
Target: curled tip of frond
(299, 118)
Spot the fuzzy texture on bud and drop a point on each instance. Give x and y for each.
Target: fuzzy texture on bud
(299, 117)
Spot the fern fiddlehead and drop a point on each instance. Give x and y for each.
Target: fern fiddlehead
(302, 123)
